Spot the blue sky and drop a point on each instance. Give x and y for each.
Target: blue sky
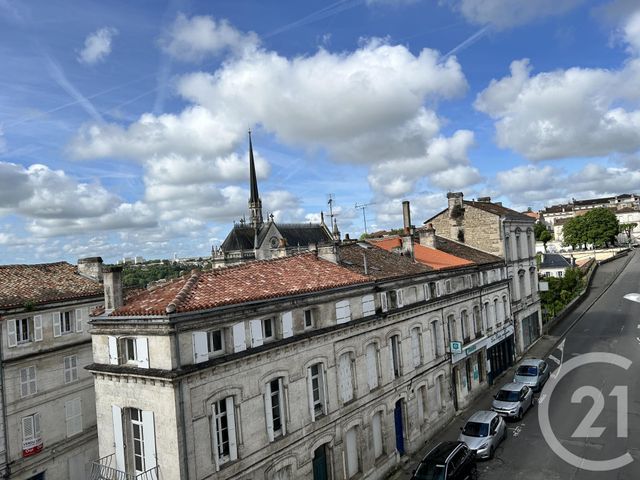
(123, 125)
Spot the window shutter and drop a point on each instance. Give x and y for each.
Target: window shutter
(33, 385)
(256, 333)
(268, 413)
(67, 369)
(28, 428)
(149, 435)
(343, 311)
(56, 324)
(231, 426)
(368, 305)
(352, 453)
(200, 347)
(24, 382)
(283, 406)
(372, 367)
(400, 298)
(310, 395)
(391, 366)
(325, 390)
(113, 350)
(37, 328)
(377, 435)
(239, 341)
(214, 433)
(117, 437)
(79, 319)
(73, 414)
(142, 352)
(287, 325)
(12, 337)
(415, 347)
(383, 301)
(345, 378)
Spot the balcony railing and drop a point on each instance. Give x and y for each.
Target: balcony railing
(104, 469)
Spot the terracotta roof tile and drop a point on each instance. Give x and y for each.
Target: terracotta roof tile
(252, 281)
(43, 283)
(431, 257)
(381, 263)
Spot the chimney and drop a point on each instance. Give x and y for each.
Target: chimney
(454, 198)
(91, 267)
(112, 279)
(484, 199)
(406, 217)
(329, 253)
(428, 236)
(456, 214)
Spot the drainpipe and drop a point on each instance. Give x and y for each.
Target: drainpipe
(4, 410)
(181, 406)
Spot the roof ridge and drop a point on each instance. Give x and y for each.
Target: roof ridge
(13, 265)
(184, 291)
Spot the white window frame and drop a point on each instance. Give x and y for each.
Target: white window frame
(66, 322)
(23, 324)
(31, 433)
(317, 383)
(219, 417)
(70, 367)
(269, 395)
(368, 305)
(271, 326)
(73, 416)
(28, 381)
(211, 350)
(395, 355)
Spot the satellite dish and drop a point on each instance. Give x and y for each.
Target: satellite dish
(634, 297)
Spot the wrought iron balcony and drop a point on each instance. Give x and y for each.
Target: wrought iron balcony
(104, 469)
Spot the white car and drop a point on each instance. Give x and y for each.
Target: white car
(513, 400)
(483, 432)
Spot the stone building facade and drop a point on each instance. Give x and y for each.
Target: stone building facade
(48, 404)
(508, 234)
(323, 365)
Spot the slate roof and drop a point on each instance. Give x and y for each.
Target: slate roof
(252, 281)
(239, 238)
(554, 260)
(44, 283)
(381, 264)
(496, 209)
(558, 208)
(303, 234)
(461, 250)
(436, 259)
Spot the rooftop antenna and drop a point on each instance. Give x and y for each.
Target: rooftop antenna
(331, 198)
(363, 207)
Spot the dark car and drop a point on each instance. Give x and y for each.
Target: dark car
(447, 461)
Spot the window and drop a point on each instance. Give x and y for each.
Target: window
(505, 308)
(316, 386)
(66, 323)
(495, 312)
(28, 385)
(433, 290)
(477, 320)
(262, 331)
(485, 278)
(486, 321)
(224, 432)
(451, 328)
(447, 286)
(368, 305)
(437, 339)
(391, 299)
(207, 344)
(129, 350)
(376, 430)
(523, 292)
(416, 346)
(308, 318)
(412, 296)
(351, 442)
(135, 428)
(31, 435)
(267, 328)
(464, 322)
(345, 377)
(372, 366)
(215, 342)
(24, 330)
(287, 324)
(73, 416)
(239, 337)
(70, 368)
(518, 251)
(529, 243)
(396, 362)
(274, 409)
(439, 393)
(507, 248)
(343, 311)
(421, 398)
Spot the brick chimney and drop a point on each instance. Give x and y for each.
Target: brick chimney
(428, 236)
(407, 234)
(456, 214)
(112, 279)
(91, 267)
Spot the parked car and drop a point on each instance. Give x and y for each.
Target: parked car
(483, 432)
(533, 372)
(513, 400)
(447, 461)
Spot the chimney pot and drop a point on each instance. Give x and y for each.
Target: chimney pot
(112, 279)
(406, 217)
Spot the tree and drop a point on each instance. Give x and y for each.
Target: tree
(538, 229)
(602, 226)
(545, 237)
(575, 232)
(627, 228)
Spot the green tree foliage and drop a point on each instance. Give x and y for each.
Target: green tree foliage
(627, 228)
(539, 229)
(597, 227)
(545, 237)
(562, 290)
(141, 275)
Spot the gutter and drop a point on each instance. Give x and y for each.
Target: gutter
(3, 385)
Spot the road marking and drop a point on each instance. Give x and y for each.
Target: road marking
(638, 339)
(517, 430)
(554, 359)
(542, 398)
(621, 328)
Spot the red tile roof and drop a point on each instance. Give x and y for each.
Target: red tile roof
(431, 257)
(252, 281)
(43, 283)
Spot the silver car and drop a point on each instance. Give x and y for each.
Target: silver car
(513, 400)
(483, 432)
(532, 372)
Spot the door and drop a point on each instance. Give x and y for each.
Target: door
(320, 463)
(397, 415)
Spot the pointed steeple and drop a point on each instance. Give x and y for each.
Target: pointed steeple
(255, 204)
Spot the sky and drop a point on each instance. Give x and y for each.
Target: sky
(124, 125)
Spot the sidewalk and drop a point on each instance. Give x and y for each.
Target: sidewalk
(604, 276)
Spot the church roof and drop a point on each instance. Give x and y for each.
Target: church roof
(239, 238)
(303, 233)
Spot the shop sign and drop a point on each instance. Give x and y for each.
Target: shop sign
(470, 350)
(456, 347)
(501, 335)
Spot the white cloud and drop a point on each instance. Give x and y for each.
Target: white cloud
(565, 113)
(456, 178)
(632, 32)
(192, 39)
(97, 46)
(510, 13)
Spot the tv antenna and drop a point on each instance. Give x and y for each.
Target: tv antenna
(363, 207)
(331, 198)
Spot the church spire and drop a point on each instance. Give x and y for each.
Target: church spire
(255, 204)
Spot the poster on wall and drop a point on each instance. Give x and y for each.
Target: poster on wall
(32, 447)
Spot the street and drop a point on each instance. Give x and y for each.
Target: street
(610, 325)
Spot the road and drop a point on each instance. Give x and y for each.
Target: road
(610, 325)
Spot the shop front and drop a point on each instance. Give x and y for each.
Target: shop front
(500, 352)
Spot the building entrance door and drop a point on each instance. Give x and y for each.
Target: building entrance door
(397, 415)
(320, 470)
